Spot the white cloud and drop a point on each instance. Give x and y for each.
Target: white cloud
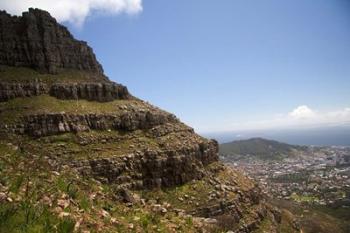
(73, 11)
(300, 117)
(304, 116)
(302, 112)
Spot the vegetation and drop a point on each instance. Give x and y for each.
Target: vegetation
(315, 218)
(14, 109)
(196, 194)
(43, 198)
(12, 74)
(258, 148)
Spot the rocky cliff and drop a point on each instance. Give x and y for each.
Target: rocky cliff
(36, 40)
(102, 92)
(79, 153)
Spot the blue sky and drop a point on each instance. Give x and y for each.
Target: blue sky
(230, 64)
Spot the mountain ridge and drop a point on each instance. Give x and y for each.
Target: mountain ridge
(80, 153)
(260, 148)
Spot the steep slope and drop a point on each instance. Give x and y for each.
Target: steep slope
(78, 152)
(258, 148)
(36, 40)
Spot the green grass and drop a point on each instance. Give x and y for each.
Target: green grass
(197, 192)
(337, 212)
(315, 218)
(264, 226)
(304, 198)
(26, 185)
(12, 110)
(30, 218)
(67, 146)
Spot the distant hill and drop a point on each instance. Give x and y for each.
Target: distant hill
(259, 148)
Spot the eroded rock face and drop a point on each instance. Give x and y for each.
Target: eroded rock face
(152, 169)
(36, 40)
(50, 124)
(27, 89)
(102, 92)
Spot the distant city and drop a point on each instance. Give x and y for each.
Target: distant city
(312, 179)
(320, 175)
(322, 136)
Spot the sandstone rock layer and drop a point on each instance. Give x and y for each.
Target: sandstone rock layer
(36, 40)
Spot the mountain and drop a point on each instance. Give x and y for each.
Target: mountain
(336, 135)
(259, 148)
(80, 153)
(36, 40)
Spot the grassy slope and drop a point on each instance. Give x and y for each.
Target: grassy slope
(41, 198)
(12, 110)
(104, 144)
(318, 219)
(44, 197)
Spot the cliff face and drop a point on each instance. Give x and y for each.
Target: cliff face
(36, 40)
(79, 148)
(101, 92)
(12, 90)
(43, 104)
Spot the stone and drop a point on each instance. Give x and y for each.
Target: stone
(210, 221)
(63, 203)
(63, 214)
(93, 91)
(36, 40)
(11, 90)
(159, 209)
(3, 197)
(104, 214)
(40, 125)
(127, 196)
(101, 92)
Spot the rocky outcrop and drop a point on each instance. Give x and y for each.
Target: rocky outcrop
(152, 169)
(102, 92)
(56, 123)
(232, 206)
(36, 40)
(13, 90)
